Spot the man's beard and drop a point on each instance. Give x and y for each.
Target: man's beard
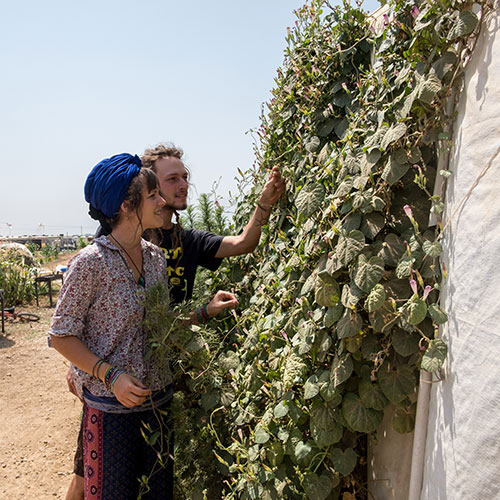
(174, 209)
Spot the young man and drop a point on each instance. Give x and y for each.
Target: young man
(187, 249)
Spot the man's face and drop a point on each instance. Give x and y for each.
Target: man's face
(174, 182)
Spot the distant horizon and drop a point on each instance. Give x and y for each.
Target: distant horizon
(35, 231)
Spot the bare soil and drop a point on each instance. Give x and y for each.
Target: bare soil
(39, 418)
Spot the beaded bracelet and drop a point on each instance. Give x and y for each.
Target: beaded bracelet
(109, 374)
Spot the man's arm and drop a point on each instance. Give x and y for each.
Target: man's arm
(250, 236)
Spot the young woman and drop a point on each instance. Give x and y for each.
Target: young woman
(98, 327)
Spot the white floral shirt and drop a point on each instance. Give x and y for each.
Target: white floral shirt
(101, 303)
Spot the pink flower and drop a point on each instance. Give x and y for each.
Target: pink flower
(427, 291)
(421, 344)
(413, 285)
(386, 19)
(285, 336)
(415, 11)
(408, 211)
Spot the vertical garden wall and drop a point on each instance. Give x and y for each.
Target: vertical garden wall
(340, 303)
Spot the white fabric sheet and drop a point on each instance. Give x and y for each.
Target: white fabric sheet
(462, 459)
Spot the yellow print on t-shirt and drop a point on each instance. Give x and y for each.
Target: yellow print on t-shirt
(174, 272)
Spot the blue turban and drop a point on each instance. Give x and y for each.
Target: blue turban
(108, 183)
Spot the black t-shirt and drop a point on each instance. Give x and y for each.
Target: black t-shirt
(197, 248)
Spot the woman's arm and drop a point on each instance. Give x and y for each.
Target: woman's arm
(129, 390)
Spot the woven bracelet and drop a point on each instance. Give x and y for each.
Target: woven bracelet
(204, 313)
(199, 317)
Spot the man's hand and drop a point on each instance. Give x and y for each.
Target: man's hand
(222, 300)
(273, 189)
(71, 384)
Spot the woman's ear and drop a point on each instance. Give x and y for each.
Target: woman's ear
(125, 208)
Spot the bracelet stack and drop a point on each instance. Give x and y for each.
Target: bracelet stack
(111, 376)
(202, 314)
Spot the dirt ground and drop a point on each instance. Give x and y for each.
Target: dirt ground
(39, 418)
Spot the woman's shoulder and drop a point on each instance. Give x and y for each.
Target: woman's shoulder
(86, 256)
(150, 247)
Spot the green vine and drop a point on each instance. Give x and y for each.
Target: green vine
(341, 301)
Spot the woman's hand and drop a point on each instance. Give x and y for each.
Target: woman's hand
(222, 300)
(130, 391)
(71, 384)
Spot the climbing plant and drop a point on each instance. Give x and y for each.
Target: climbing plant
(341, 300)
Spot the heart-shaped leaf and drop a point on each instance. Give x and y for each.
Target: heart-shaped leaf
(349, 325)
(341, 369)
(393, 170)
(434, 355)
(310, 199)
(396, 382)
(357, 416)
(327, 294)
(368, 272)
(311, 387)
(261, 435)
(376, 298)
(403, 420)
(415, 310)
(437, 314)
(371, 395)
(393, 134)
(316, 487)
(349, 246)
(343, 461)
(464, 25)
(405, 343)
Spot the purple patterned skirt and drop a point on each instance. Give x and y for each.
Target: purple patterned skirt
(116, 454)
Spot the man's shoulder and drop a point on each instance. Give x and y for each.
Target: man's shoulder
(197, 233)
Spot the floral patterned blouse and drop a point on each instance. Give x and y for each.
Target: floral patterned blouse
(101, 303)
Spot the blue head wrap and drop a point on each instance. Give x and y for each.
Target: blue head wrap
(108, 183)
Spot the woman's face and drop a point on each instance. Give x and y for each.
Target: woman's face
(150, 210)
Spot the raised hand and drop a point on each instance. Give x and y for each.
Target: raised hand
(273, 189)
(222, 300)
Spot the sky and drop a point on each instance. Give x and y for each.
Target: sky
(82, 81)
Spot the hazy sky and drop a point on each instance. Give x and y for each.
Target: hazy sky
(82, 81)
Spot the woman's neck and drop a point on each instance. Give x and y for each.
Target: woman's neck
(127, 236)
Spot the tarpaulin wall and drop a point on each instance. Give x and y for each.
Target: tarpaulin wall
(462, 458)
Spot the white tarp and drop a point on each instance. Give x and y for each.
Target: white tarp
(462, 460)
